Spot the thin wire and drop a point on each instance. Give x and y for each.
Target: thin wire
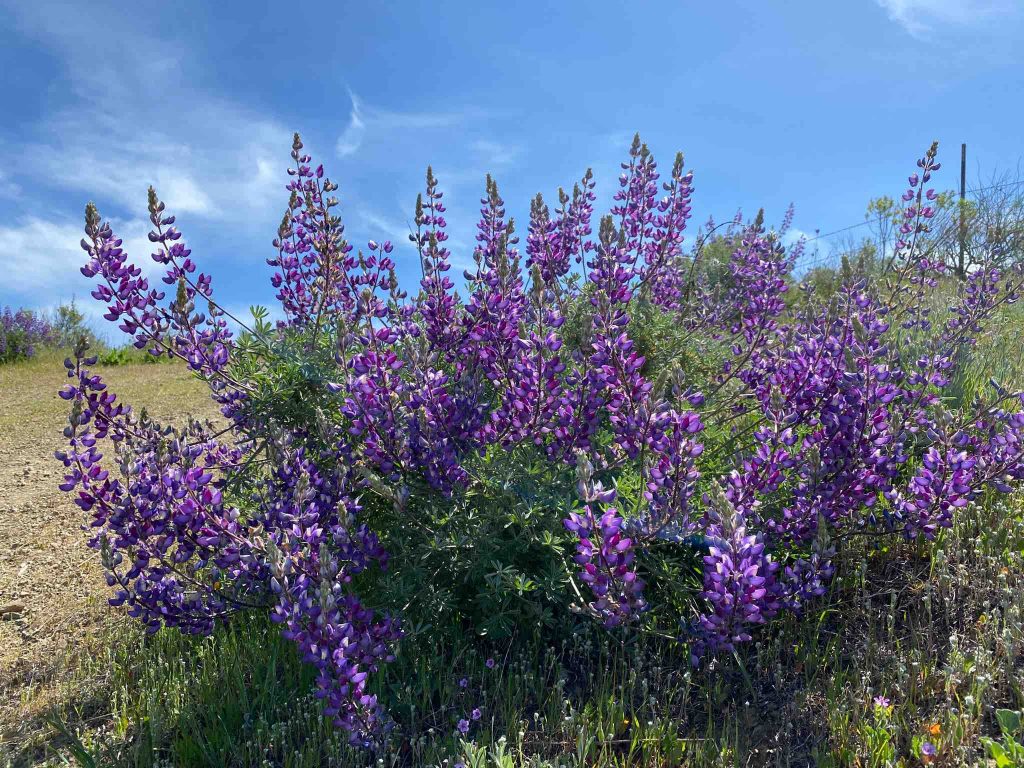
(865, 223)
(949, 213)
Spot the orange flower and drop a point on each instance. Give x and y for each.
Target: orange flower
(934, 729)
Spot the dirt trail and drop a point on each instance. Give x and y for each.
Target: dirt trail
(51, 585)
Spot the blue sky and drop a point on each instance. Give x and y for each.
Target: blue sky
(823, 104)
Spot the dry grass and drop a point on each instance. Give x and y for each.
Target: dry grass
(51, 585)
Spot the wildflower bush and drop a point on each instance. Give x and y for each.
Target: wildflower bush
(21, 332)
(594, 427)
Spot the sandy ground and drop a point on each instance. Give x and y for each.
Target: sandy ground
(51, 587)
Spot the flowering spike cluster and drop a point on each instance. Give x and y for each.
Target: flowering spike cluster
(740, 578)
(616, 383)
(167, 538)
(835, 417)
(315, 547)
(605, 553)
(671, 476)
(21, 332)
(313, 257)
(438, 305)
(202, 339)
(662, 271)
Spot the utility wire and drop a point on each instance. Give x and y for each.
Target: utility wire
(866, 222)
(805, 263)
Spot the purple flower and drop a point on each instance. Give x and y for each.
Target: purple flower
(829, 423)
(21, 332)
(605, 554)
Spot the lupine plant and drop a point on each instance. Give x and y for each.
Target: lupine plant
(364, 429)
(21, 332)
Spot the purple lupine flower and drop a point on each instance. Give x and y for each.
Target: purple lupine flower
(21, 331)
(313, 257)
(739, 578)
(439, 303)
(671, 476)
(605, 554)
(833, 422)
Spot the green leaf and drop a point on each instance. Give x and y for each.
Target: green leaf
(995, 749)
(1009, 721)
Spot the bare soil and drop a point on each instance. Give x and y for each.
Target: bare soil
(52, 592)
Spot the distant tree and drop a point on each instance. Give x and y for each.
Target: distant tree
(987, 228)
(69, 325)
(854, 260)
(992, 226)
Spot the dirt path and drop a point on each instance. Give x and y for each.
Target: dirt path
(51, 586)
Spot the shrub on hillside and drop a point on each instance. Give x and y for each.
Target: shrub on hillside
(69, 325)
(598, 430)
(22, 331)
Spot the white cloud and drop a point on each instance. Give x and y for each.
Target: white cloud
(368, 122)
(137, 118)
(352, 137)
(138, 113)
(382, 227)
(42, 258)
(36, 253)
(921, 17)
(222, 163)
(794, 236)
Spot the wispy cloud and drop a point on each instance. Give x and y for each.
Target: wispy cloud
(136, 118)
(794, 236)
(366, 123)
(42, 257)
(352, 137)
(144, 113)
(382, 227)
(494, 153)
(922, 17)
(7, 187)
(215, 161)
(34, 251)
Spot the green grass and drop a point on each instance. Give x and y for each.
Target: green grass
(937, 629)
